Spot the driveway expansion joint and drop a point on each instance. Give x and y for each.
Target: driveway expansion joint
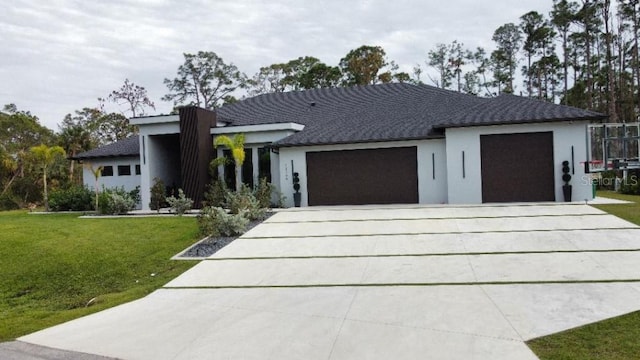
(313, 295)
(440, 233)
(429, 218)
(407, 284)
(496, 253)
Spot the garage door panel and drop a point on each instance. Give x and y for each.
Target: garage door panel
(517, 167)
(357, 177)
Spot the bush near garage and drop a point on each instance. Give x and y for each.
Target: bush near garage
(215, 221)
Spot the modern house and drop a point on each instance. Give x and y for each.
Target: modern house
(376, 144)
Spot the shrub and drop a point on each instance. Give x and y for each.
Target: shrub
(158, 197)
(254, 211)
(630, 190)
(215, 194)
(631, 184)
(246, 203)
(181, 204)
(116, 201)
(135, 195)
(607, 181)
(121, 204)
(26, 190)
(263, 193)
(214, 221)
(8, 202)
(74, 198)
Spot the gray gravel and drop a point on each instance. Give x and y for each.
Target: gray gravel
(211, 245)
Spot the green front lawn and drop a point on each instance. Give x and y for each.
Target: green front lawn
(629, 212)
(612, 339)
(52, 266)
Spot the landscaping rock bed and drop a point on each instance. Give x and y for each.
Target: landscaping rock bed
(211, 245)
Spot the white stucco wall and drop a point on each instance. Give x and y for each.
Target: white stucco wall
(468, 189)
(129, 182)
(430, 190)
(152, 163)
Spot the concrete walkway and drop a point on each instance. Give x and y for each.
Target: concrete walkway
(405, 282)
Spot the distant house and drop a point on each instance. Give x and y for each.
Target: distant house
(120, 163)
(376, 144)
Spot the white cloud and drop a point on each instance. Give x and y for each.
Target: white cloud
(59, 56)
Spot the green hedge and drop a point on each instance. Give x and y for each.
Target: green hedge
(74, 198)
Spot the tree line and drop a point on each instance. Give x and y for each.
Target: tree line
(581, 53)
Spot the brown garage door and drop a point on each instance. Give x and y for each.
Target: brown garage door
(517, 167)
(358, 177)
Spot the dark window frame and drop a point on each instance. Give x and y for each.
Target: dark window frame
(107, 170)
(124, 170)
(264, 163)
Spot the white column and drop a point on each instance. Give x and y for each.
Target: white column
(221, 175)
(255, 160)
(145, 171)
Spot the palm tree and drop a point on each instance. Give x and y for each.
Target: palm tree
(45, 156)
(236, 146)
(97, 172)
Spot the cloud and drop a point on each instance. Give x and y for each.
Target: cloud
(60, 56)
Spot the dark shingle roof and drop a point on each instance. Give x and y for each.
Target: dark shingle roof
(387, 112)
(125, 147)
(511, 109)
(373, 113)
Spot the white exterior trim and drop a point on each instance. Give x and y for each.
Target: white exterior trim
(260, 134)
(229, 129)
(149, 120)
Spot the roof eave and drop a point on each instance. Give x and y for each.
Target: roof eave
(80, 158)
(307, 144)
(518, 122)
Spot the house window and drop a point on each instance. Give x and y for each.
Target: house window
(124, 170)
(264, 164)
(107, 171)
(137, 169)
(230, 169)
(247, 168)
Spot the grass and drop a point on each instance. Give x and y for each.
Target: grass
(615, 338)
(52, 266)
(629, 212)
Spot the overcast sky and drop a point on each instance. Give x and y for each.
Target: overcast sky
(57, 56)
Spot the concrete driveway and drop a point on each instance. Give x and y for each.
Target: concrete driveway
(401, 282)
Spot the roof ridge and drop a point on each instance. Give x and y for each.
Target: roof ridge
(129, 146)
